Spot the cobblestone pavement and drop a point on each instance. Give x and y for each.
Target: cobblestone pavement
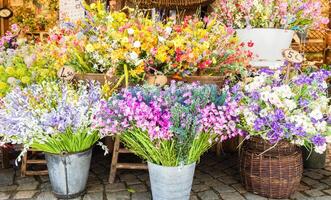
(215, 178)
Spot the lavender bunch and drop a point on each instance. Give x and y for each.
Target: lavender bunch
(52, 117)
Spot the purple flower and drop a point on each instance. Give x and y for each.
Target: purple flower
(279, 115)
(259, 124)
(266, 71)
(318, 140)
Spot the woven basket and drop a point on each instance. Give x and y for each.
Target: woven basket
(102, 78)
(328, 57)
(328, 38)
(274, 174)
(317, 34)
(314, 45)
(170, 4)
(217, 80)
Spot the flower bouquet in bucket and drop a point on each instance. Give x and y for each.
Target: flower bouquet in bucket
(279, 114)
(54, 118)
(270, 24)
(170, 128)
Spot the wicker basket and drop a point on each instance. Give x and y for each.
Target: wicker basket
(170, 4)
(274, 174)
(102, 78)
(328, 38)
(217, 80)
(316, 34)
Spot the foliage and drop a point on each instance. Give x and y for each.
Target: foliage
(170, 126)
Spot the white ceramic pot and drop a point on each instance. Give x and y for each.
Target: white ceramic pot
(268, 45)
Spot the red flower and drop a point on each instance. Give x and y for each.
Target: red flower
(250, 44)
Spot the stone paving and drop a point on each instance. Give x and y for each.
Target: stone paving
(215, 178)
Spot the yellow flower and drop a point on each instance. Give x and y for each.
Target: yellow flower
(26, 80)
(89, 48)
(10, 71)
(3, 85)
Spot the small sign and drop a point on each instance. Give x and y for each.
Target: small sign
(5, 13)
(72, 10)
(66, 73)
(158, 80)
(292, 56)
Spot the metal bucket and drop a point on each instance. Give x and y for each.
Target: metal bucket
(68, 173)
(171, 183)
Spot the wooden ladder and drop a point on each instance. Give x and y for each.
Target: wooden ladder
(116, 165)
(26, 161)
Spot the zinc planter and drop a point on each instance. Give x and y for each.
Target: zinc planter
(268, 45)
(173, 183)
(68, 173)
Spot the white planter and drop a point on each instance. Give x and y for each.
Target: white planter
(268, 45)
(173, 183)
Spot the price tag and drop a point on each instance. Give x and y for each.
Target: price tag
(159, 80)
(66, 73)
(292, 56)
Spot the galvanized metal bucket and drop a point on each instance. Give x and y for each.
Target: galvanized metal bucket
(171, 183)
(68, 173)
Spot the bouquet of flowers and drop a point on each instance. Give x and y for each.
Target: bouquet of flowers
(284, 14)
(143, 45)
(296, 110)
(170, 126)
(50, 117)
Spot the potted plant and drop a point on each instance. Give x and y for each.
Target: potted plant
(170, 128)
(280, 114)
(54, 118)
(270, 24)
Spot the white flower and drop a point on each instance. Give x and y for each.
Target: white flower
(321, 126)
(320, 149)
(133, 55)
(298, 141)
(324, 85)
(290, 104)
(136, 44)
(264, 112)
(284, 91)
(130, 31)
(168, 30)
(316, 114)
(161, 39)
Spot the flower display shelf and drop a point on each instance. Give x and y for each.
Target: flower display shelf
(4, 160)
(31, 158)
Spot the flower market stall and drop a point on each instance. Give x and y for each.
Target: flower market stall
(113, 84)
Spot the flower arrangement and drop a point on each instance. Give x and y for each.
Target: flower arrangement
(50, 117)
(169, 127)
(296, 110)
(133, 39)
(283, 14)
